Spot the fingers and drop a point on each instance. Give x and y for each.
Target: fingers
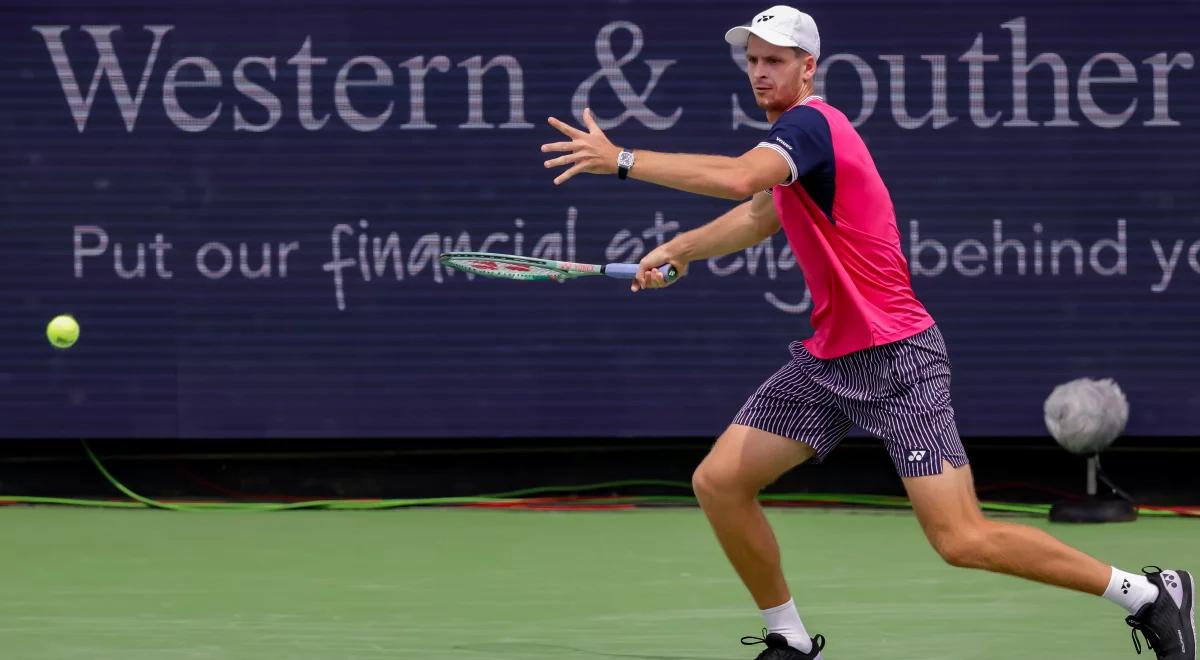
(639, 281)
(581, 145)
(651, 278)
(563, 160)
(565, 176)
(590, 121)
(560, 146)
(566, 129)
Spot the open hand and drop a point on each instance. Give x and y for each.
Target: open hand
(589, 151)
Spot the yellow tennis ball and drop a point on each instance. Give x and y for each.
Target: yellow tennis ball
(63, 331)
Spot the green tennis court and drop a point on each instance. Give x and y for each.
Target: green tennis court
(453, 583)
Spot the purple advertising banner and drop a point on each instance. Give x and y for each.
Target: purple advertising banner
(243, 204)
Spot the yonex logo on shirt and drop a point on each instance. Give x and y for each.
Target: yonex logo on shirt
(784, 143)
(916, 456)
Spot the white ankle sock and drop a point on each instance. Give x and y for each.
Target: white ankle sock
(785, 620)
(1130, 591)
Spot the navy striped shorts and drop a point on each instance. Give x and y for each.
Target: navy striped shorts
(899, 392)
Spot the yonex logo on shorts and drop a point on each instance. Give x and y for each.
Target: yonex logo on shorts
(916, 455)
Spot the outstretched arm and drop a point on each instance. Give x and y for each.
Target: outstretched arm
(717, 176)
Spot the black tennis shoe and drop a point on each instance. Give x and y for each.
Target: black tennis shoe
(1169, 623)
(778, 649)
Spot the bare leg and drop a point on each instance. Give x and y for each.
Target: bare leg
(743, 461)
(949, 513)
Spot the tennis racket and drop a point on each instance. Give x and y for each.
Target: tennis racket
(512, 267)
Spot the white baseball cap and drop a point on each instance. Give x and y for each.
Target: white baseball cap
(782, 26)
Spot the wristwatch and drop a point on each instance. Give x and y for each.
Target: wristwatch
(624, 163)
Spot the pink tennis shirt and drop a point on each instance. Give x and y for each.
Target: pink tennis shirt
(841, 225)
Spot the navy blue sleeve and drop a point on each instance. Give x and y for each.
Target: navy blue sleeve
(802, 136)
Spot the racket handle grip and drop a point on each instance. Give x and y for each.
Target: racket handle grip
(629, 271)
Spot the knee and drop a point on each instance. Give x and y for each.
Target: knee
(964, 547)
(712, 482)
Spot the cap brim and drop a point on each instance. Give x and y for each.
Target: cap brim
(739, 35)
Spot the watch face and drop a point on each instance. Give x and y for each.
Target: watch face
(625, 159)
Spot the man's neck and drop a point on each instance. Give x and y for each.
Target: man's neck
(805, 92)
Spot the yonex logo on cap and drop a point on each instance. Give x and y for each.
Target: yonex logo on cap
(780, 25)
(916, 456)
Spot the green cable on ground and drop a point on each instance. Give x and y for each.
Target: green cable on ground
(259, 506)
(516, 498)
(121, 487)
(66, 501)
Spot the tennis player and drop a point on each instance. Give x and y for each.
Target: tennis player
(876, 357)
